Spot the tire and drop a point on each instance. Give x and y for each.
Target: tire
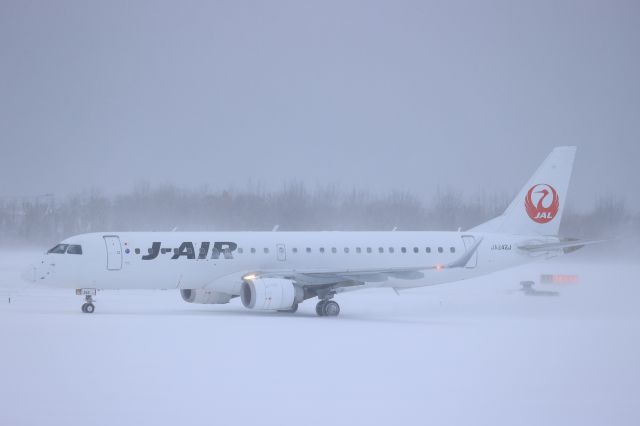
(320, 308)
(89, 308)
(331, 309)
(84, 308)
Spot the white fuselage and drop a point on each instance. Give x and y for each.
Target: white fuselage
(279, 270)
(219, 260)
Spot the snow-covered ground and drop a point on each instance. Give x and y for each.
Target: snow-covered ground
(477, 352)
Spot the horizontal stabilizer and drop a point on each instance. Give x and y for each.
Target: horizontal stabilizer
(567, 246)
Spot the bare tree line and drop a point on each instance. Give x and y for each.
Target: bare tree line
(46, 220)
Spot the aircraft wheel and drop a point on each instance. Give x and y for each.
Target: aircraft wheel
(89, 308)
(331, 309)
(320, 308)
(84, 308)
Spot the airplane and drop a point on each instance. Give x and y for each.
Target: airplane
(276, 271)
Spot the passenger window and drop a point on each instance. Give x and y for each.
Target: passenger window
(334, 250)
(428, 249)
(358, 250)
(380, 250)
(74, 249)
(440, 250)
(368, 249)
(321, 249)
(391, 249)
(266, 250)
(59, 249)
(240, 250)
(415, 250)
(295, 249)
(452, 249)
(346, 249)
(253, 250)
(403, 249)
(308, 249)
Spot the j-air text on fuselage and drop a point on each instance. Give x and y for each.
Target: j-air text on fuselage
(276, 271)
(206, 250)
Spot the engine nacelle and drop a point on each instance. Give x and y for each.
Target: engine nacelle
(270, 294)
(208, 297)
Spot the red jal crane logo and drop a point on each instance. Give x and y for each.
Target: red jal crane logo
(546, 204)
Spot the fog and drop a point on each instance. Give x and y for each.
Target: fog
(372, 96)
(333, 115)
(45, 220)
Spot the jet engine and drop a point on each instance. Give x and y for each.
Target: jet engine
(271, 294)
(205, 296)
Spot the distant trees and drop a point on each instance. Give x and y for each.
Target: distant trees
(293, 207)
(608, 218)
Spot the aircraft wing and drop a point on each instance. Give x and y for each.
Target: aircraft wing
(351, 277)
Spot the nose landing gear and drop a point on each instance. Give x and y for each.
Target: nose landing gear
(88, 307)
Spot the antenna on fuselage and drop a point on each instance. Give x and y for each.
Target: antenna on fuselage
(395, 228)
(275, 228)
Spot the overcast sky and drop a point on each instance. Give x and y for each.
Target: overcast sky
(407, 95)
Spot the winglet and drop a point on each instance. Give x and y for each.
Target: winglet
(466, 257)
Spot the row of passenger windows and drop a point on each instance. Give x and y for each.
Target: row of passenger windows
(77, 249)
(66, 248)
(357, 250)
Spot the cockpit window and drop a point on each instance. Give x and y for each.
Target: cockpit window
(66, 248)
(59, 249)
(74, 249)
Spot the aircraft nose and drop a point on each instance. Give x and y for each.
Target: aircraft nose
(29, 274)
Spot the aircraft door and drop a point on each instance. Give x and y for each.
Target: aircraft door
(281, 251)
(114, 252)
(468, 241)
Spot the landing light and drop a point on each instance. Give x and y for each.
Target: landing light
(439, 267)
(249, 277)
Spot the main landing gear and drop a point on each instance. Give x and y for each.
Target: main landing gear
(88, 307)
(327, 308)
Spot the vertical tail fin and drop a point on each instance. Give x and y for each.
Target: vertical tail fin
(537, 210)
